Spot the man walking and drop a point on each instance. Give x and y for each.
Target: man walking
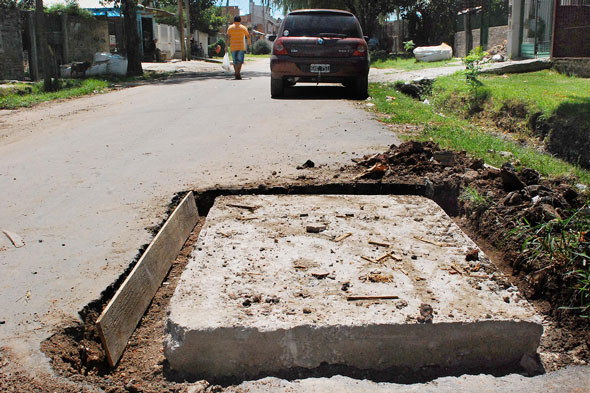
(236, 34)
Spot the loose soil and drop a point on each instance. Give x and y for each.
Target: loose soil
(78, 359)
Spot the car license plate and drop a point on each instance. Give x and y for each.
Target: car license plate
(320, 68)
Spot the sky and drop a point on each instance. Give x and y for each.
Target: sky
(243, 4)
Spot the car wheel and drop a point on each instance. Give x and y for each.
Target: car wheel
(277, 88)
(361, 87)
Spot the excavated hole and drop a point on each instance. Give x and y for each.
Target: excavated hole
(84, 357)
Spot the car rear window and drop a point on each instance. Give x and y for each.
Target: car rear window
(321, 24)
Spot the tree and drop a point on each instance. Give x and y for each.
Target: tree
(367, 11)
(49, 80)
(129, 8)
(431, 22)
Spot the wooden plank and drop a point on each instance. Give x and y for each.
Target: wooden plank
(375, 297)
(14, 238)
(119, 319)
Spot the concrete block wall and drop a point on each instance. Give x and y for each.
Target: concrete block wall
(11, 46)
(459, 44)
(496, 36)
(85, 37)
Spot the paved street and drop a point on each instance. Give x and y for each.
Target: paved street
(82, 179)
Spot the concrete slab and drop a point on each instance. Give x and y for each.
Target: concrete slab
(267, 294)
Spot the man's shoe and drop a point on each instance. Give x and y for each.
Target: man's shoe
(239, 77)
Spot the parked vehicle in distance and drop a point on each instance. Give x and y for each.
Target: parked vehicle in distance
(320, 46)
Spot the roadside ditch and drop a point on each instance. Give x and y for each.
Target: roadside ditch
(488, 203)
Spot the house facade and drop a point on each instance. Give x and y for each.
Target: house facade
(549, 28)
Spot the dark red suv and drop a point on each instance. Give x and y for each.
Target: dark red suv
(323, 46)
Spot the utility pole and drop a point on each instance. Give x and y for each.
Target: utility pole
(181, 27)
(42, 33)
(226, 24)
(188, 25)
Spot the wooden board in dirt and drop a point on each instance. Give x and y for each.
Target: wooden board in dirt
(119, 319)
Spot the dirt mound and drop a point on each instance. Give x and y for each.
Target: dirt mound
(503, 205)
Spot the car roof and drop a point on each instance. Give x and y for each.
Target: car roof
(320, 11)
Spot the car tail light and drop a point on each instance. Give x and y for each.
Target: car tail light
(279, 48)
(361, 50)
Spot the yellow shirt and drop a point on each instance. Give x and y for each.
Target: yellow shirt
(236, 34)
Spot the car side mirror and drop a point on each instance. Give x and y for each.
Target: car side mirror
(272, 37)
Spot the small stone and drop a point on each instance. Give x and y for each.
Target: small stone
(247, 303)
(401, 304)
(133, 388)
(307, 164)
(306, 310)
(506, 299)
(315, 228)
(426, 313)
(445, 157)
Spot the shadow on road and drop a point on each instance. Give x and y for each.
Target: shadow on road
(314, 92)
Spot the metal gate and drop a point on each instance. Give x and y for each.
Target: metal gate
(537, 28)
(572, 28)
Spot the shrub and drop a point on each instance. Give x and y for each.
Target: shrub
(70, 7)
(261, 47)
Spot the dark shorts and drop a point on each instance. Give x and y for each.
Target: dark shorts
(238, 56)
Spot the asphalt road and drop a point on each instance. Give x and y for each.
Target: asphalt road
(82, 179)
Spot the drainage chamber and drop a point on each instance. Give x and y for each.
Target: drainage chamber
(375, 286)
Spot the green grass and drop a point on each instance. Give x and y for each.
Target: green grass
(11, 98)
(451, 131)
(411, 64)
(544, 91)
(18, 95)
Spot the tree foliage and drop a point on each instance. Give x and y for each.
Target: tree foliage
(432, 22)
(367, 11)
(205, 15)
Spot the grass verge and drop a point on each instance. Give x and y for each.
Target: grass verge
(19, 95)
(453, 131)
(544, 91)
(25, 95)
(412, 64)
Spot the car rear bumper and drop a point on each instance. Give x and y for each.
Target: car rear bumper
(341, 69)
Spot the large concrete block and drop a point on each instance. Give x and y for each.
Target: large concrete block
(265, 293)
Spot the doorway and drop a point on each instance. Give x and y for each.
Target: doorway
(537, 28)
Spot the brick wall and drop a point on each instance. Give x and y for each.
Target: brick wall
(11, 45)
(86, 37)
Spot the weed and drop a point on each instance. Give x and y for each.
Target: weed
(409, 45)
(563, 244)
(477, 203)
(473, 64)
